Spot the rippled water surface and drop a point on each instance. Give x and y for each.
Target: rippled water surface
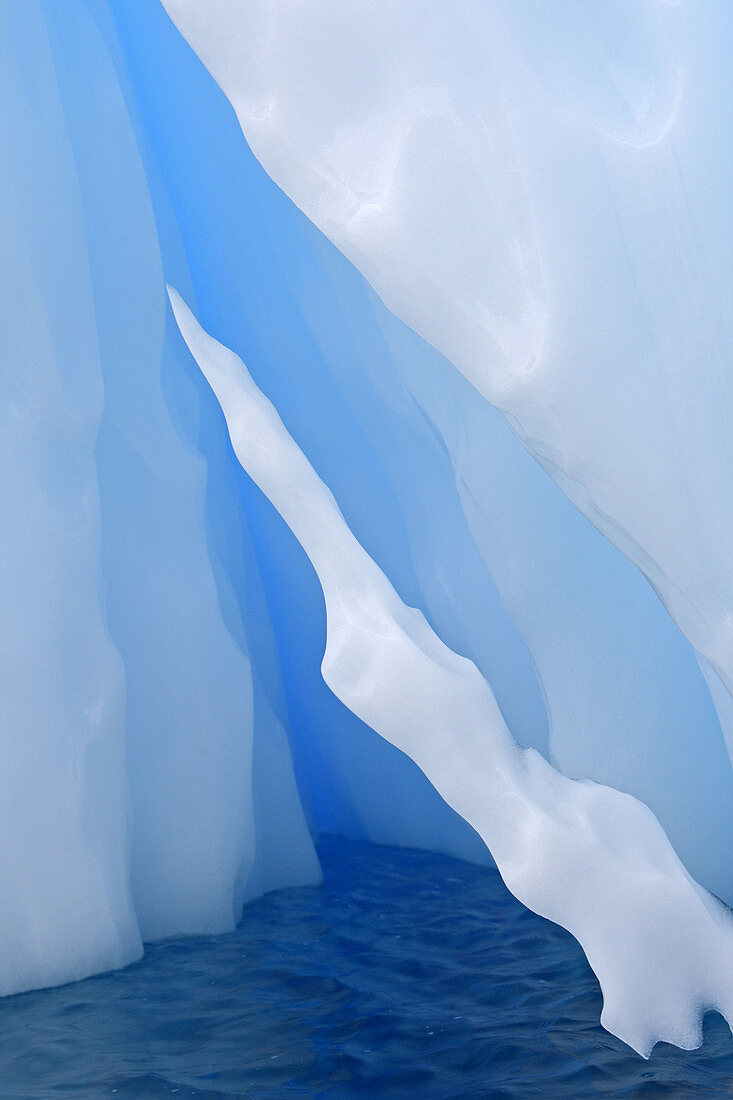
(406, 975)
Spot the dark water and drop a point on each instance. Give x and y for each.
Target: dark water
(406, 975)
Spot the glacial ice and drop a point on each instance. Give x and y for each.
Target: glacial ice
(586, 856)
(128, 707)
(169, 744)
(540, 196)
(66, 904)
(542, 192)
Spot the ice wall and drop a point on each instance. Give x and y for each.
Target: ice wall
(376, 410)
(513, 208)
(66, 905)
(163, 628)
(189, 688)
(218, 672)
(135, 720)
(261, 274)
(541, 192)
(625, 701)
(582, 854)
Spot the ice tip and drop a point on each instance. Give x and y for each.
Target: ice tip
(174, 297)
(183, 315)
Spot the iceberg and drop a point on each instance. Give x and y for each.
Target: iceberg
(584, 855)
(475, 261)
(64, 796)
(545, 225)
(539, 193)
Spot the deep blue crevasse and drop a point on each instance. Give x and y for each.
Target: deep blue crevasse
(261, 277)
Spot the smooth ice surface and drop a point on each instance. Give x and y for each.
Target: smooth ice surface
(543, 193)
(134, 724)
(586, 856)
(189, 711)
(168, 743)
(63, 800)
(258, 268)
(625, 702)
(583, 660)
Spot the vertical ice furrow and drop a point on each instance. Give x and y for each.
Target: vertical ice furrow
(194, 715)
(586, 856)
(66, 909)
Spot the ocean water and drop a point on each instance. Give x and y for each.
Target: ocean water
(406, 975)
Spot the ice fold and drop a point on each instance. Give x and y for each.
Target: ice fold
(584, 855)
(542, 192)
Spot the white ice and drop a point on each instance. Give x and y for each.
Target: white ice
(584, 855)
(543, 193)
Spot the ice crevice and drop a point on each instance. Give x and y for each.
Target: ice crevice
(582, 854)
